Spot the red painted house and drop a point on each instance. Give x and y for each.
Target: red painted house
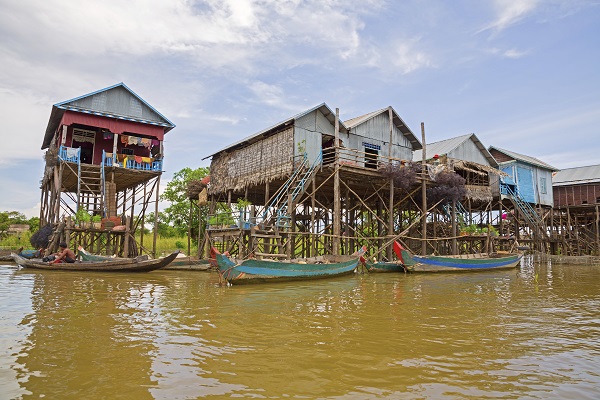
(104, 159)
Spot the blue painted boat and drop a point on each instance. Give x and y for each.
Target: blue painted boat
(408, 262)
(257, 271)
(459, 263)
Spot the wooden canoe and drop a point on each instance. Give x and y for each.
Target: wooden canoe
(458, 263)
(111, 265)
(466, 262)
(257, 271)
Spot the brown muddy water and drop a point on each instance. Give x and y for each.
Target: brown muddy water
(532, 332)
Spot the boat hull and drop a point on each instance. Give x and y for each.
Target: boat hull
(258, 271)
(113, 265)
(463, 264)
(384, 267)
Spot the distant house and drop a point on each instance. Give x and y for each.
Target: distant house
(576, 186)
(528, 175)
(17, 229)
(469, 158)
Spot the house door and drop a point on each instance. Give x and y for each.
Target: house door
(84, 140)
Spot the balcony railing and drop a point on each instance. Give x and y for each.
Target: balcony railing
(72, 154)
(133, 162)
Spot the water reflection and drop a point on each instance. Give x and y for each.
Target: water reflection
(531, 332)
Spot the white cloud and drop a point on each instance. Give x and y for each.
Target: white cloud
(514, 53)
(509, 12)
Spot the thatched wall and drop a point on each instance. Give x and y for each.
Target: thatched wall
(479, 193)
(258, 163)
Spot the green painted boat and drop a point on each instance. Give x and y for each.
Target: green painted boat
(388, 266)
(384, 266)
(258, 271)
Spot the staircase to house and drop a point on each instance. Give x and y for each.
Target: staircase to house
(91, 188)
(278, 211)
(530, 216)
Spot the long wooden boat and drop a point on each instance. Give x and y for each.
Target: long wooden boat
(257, 271)
(111, 265)
(465, 262)
(459, 263)
(469, 262)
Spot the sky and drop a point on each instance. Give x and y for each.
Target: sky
(523, 75)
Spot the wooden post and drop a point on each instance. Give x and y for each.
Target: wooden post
(143, 219)
(337, 206)
(189, 233)
(597, 231)
(126, 237)
(423, 194)
(390, 230)
(155, 217)
(114, 150)
(199, 252)
(313, 228)
(454, 228)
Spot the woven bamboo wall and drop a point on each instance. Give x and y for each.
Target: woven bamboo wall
(258, 163)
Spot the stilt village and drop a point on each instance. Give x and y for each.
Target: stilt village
(309, 186)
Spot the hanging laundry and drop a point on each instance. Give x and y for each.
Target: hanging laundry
(72, 152)
(146, 143)
(155, 142)
(138, 159)
(132, 140)
(124, 139)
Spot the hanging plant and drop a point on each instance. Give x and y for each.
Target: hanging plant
(404, 176)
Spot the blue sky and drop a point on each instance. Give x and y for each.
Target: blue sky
(521, 75)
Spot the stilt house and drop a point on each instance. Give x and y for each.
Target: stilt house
(310, 181)
(527, 185)
(576, 214)
(104, 159)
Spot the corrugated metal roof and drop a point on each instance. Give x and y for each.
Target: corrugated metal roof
(398, 122)
(325, 110)
(97, 104)
(448, 145)
(524, 158)
(578, 175)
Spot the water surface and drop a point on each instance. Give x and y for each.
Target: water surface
(532, 332)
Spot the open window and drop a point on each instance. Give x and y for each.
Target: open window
(371, 155)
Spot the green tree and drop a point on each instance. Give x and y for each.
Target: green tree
(164, 229)
(177, 214)
(34, 224)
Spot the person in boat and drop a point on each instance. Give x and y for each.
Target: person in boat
(65, 254)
